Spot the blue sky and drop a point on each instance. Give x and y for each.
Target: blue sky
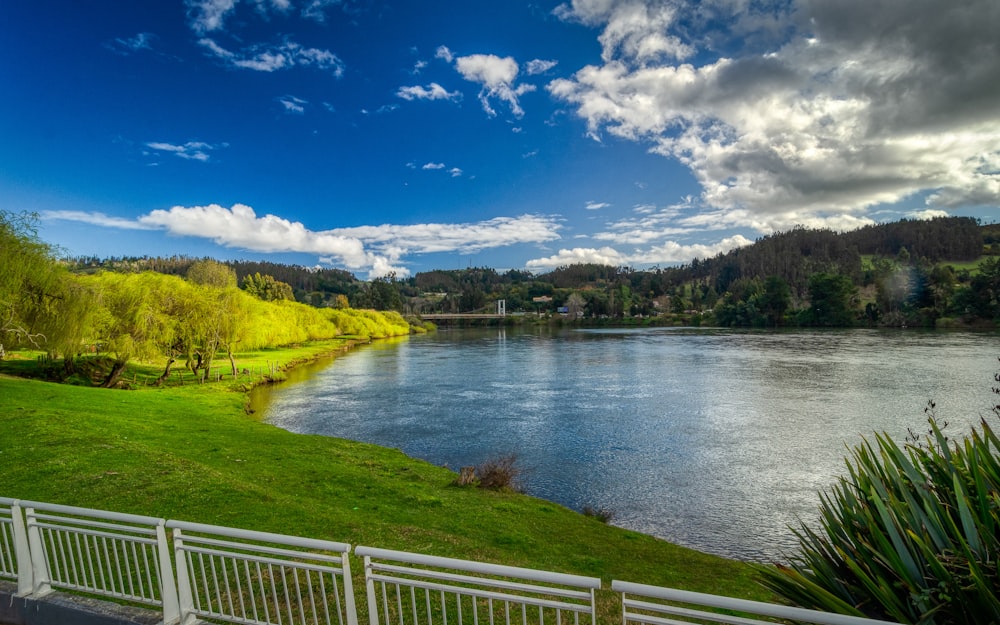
(410, 136)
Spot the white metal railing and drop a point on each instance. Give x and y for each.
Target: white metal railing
(257, 578)
(415, 589)
(122, 556)
(654, 605)
(9, 515)
(241, 576)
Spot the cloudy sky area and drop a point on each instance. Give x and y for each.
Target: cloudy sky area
(410, 136)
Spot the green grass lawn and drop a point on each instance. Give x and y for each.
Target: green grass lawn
(190, 452)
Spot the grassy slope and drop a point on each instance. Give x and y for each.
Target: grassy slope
(191, 453)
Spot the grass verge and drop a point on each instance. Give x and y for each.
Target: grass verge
(191, 452)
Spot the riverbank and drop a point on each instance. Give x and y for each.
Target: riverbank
(190, 451)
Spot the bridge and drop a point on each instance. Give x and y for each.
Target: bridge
(501, 312)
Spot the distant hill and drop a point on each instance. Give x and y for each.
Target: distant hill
(792, 258)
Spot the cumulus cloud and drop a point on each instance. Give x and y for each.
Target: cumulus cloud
(433, 166)
(858, 104)
(497, 76)
(634, 28)
(668, 253)
(432, 91)
(192, 150)
(377, 249)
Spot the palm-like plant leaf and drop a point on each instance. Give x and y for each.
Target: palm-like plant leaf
(912, 533)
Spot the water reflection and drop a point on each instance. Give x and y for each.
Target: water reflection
(713, 439)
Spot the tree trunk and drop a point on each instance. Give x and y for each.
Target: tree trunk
(166, 372)
(114, 374)
(232, 362)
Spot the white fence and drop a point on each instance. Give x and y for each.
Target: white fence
(410, 589)
(227, 575)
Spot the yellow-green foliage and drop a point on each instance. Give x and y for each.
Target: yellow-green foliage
(147, 314)
(372, 323)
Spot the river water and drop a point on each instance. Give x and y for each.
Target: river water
(713, 439)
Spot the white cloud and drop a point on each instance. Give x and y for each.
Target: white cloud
(208, 15)
(192, 150)
(432, 91)
(858, 104)
(578, 256)
(95, 219)
(669, 253)
(377, 249)
(444, 53)
(463, 238)
(593, 206)
(129, 45)
(538, 66)
(293, 105)
(455, 172)
(636, 29)
(274, 57)
(433, 166)
(316, 9)
(497, 76)
(926, 214)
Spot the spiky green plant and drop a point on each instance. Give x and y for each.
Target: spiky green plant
(912, 534)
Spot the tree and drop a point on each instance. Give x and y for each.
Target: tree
(266, 288)
(381, 294)
(212, 273)
(831, 300)
(775, 300)
(574, 305)
(29, 280)
(130, 322)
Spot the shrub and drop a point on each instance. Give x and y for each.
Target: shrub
(603, 515)
(912, 534)
(501, 473)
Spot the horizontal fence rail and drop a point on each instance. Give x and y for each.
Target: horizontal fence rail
(229, 575)
(122, 556)
(654, 605)
(241, 576)
(414, 589)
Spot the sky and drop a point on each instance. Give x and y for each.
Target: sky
(402, 136)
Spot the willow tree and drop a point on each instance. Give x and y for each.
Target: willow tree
(131, 319)
(29, 281)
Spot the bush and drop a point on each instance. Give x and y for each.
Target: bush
(500, 473)
(911, 535)
(603, 515)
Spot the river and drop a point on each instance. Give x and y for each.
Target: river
(714, 439)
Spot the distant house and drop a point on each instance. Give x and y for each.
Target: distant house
(544, 299)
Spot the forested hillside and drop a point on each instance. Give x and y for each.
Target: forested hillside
(920, 272)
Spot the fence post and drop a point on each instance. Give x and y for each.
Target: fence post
(185, 598)
(370, 589)
(25, 578)
(349, 605)
(39, 567)
(168, 589)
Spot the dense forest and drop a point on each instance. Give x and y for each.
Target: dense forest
(913, 272)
